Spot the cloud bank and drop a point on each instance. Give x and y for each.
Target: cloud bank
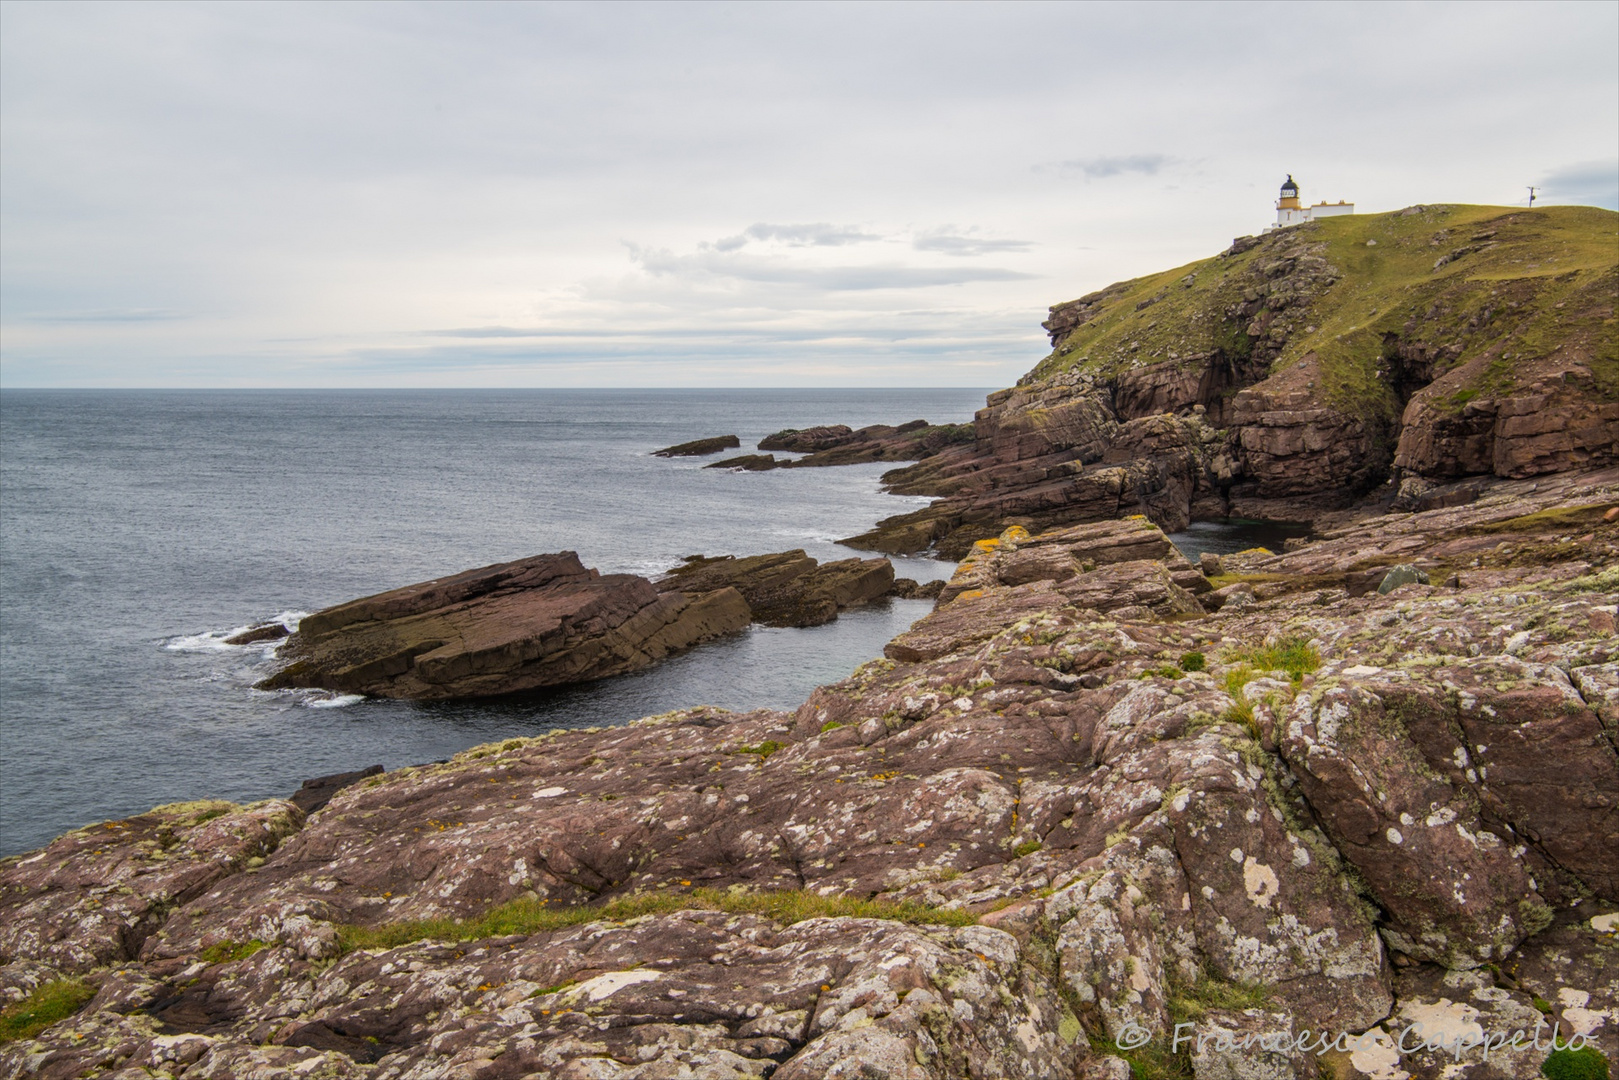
(711, 194)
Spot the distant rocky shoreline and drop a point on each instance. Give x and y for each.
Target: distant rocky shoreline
(1368, 781)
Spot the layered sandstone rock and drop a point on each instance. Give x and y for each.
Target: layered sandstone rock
(1556, 423)
(787, 588)
(542, 621)
(1295, 445)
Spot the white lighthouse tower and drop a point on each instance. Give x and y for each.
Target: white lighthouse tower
(1290, 211)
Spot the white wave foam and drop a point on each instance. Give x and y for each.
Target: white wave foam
(338, 701)
(207, 641)
(215, 640)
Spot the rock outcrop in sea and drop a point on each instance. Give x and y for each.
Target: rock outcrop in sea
(1099, 795)
(839, 444)
(700, 447)
(787, 588)
(549, 621)
(536, 622)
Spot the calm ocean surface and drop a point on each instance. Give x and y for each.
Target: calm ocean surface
(138, 528)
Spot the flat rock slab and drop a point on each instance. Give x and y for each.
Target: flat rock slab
(700, 447)
(536, 622)
(748, 463)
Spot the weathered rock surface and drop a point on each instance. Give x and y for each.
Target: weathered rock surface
(787, 588)
(93, 896)
(700, 447)
(542, 621)
(263, 632)
(907, 589)
(808, 440)
(1423, 825)
(839, 444)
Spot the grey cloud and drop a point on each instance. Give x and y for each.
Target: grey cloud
(1098, 168)
(722, 265)
(1589, 183)
(817, 235)
(342, 174)
(964, 242)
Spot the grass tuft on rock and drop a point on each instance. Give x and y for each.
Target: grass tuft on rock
(1294, 655)
(531, 916)
(1193, 1001)
(225, 952)
(45, 1006)
(1586, 1063)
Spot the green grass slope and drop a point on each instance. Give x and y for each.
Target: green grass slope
(1449, 284)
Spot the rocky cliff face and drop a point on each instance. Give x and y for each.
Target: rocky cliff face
(1072, 802)
(1297, 372)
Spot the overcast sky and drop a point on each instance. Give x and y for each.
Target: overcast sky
(762, 194)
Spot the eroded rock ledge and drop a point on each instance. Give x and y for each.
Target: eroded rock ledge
(1350, 810)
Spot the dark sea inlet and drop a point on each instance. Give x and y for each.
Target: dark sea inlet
(140, 528)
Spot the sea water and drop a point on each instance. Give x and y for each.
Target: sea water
(139, 529)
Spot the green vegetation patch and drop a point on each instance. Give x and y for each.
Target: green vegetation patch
(531, 916)
(764, 749)
(1294, 655)
(1574, 518)
(1193, 1002)
(45, 1006)
(1193, 661)
(226, 952)
(1586, 1063)
(1241, 711)
(1150, 1062)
